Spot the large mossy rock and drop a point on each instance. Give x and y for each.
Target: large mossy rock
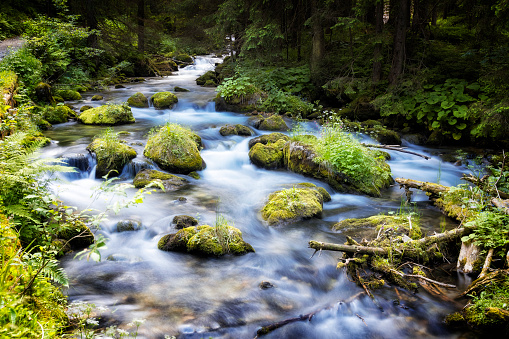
(107, 115)
(68, 94)
(398, 225)
(299, 157)
(164, 100)
(272, 123)
(206, 241)
(210, 77)
(266, 151)
(77, 234)
(183, 221)
(138, 100)
(129, 225)
(43, 93)
(175, 149)
(170, 182)
(293, 204)
(268, 139)
(111, 155)
(58, 114)
(235, 130)
(185, 58)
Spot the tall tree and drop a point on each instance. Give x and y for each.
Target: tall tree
(377, 53)
(398, 56)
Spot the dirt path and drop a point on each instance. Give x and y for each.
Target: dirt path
(8, 44)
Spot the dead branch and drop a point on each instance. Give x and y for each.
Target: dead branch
(428, 187)
(396, 148)
(487, 263)
(423, 278)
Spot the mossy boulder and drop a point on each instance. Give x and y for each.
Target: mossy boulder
(112, 156)
(206, 241)
(293, 204)
(69, 94)
(77, 234)
(272, 123)
(183, 221)
(107, 115)
(43, 93)
(58, 114)
(97, 97)
(58, 98)
(129, 225)
(170, 182)
(268, 139)
(138, 100)
(175, 149)
(180, 89)
(209, 78)
(267, 156)
(300, 157)
(235, 130)
(85, 107)
(164, 100)
(183, 57)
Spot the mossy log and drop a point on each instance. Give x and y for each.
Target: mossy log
(433, 189)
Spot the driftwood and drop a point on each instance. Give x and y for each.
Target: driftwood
(428, 187)
(396, 148)
(487, 263)
(269, 328)
(423, 278)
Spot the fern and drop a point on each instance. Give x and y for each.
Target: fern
(55, 274)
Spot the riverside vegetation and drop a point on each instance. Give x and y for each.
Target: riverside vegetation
(450, 87)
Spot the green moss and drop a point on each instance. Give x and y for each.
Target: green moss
(85, 107)
(397, 223)
(175, 148)
(69, 94)
(207, 79)
(292, 204)
(128, 225)
(266, 156)
(111, 154)
(235, 130)
(97, 97)
(57, 114)
(58, 98)
(78, 235)
(194, 175)
(273, 123)
(183, 221)
(8, 82)
(138, 100)
(180, 89)
(164, 100)
(271, 138)
(43, 93)
(107, 115)
(184, 58)
(177, 242)
(169, 181)
(455, 319)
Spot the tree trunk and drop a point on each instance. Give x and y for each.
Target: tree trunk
(318, 38)
(377, 53)
(398, 56)
(141, 26)
(91, 20)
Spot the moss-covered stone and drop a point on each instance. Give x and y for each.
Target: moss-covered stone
(58, 114)
(183, 221)
(455, 320)
(84, 108)
(164, 100)
(325, 195)
(235, 130)
(97, 97)
(77, 234)
(138, 100)
(129, 225)
(111, 156)
(169, 181)
(107, 115)
(206, 241)
(180, 89)
(183, 57)
(268, 139)
(209, 76)
(266, 156)
(43, 93)
(175, 149)
(69, 94)
(194, 175)
(58, 98)
(292, 204)
(273, 123)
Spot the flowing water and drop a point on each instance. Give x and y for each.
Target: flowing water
(192, 297)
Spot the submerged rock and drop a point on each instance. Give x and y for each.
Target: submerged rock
(169, 181)
(97, 97)
(112, 156)
(164, 100)
(138, 100)
(296, 203)
(235, 130)
(107, 115)
(175, 149)
(183, 221)
(85, 107)
(206, 241)
(129, 225)
(180, 89)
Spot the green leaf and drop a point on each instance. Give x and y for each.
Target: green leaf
(456, 136)
(435, 125)
(474, 86)
(447, 104)
(461, 126)
(452, 121)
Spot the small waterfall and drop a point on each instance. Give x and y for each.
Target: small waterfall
(83, 163)
(133, 167)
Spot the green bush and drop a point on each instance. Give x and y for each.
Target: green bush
(28, 68)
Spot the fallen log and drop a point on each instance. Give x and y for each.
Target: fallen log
(428, 187)
(396, 148)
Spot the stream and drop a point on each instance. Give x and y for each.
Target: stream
(192, 297)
